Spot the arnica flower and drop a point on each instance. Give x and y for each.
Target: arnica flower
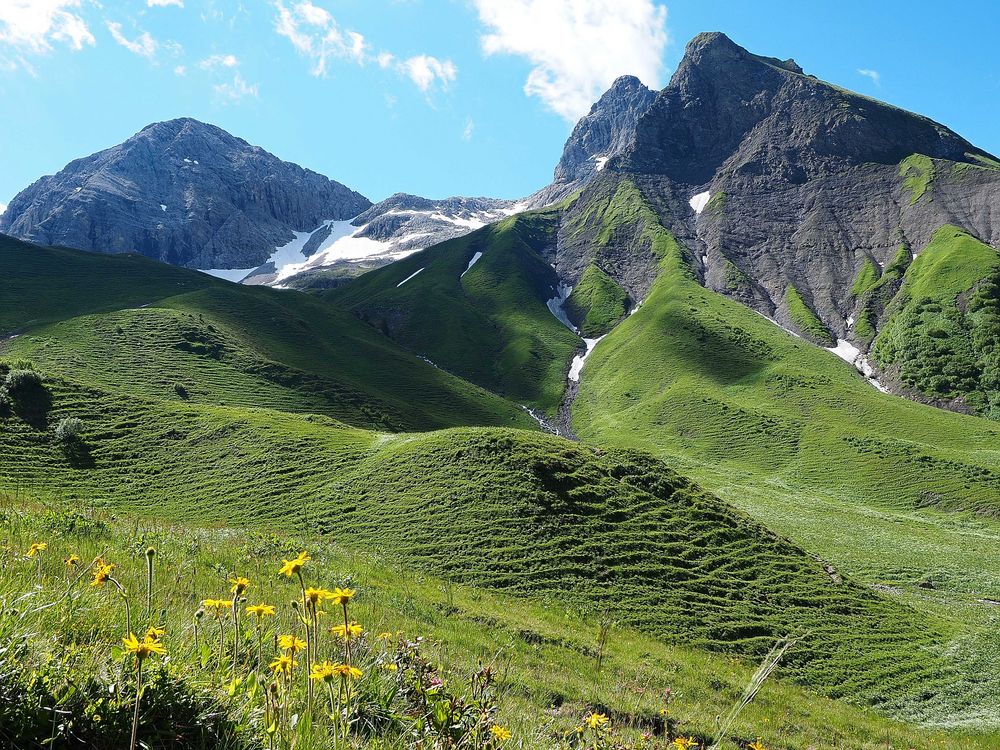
(683, 744)
(390, 667)
(72, 561)
(102, 572)
(283, 665)
(155, 633)
(501, 734)
(315, 596)
(218, 605)
(35, 548)
(342, 596)
(144, 648)
(346, 632)
(386, 636)
(291, 643)
(260, 610)
(758, 745)
(346, 671)
(323, 672)
(240, 584)
(597, 721)
(291, 567)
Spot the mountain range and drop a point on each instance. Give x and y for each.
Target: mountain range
(733, 376)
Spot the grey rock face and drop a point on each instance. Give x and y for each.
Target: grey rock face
(602, 134)
(182, 192)
(803, 179)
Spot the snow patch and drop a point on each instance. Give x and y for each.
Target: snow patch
(699, 201)
(850, 322)
(556, 304)
(600, 161)
(635, 309)
(236, 275)
(853, 356)
(472, 262)
(187, 161)
(163, 207)
(409, 277)
(786, 330)
(576, 367)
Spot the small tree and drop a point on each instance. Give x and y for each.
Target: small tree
(69, 430)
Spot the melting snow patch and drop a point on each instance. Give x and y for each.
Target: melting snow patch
(635, 309)
(786, 330)
(472, 262)
(699, 201)
(409, 277)
(576, 367)
(187, 161)
(852, 355)
(850, 322)
(555, 305)
(600, 161)
(163, 207)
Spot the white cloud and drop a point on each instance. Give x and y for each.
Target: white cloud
(3, 208)
(218, 61)
(873, 74)
(385, 59)
(470, 126)
(143, 45)
(577, 47)
(180, 70)
(164, 3)
(235, 91)
(423, 70)
(31, 25)
(315, 34)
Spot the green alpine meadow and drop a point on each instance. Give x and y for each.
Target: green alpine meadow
(696, 447)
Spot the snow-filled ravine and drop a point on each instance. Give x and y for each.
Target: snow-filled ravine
(472, 262)
(576, 366)
(557, 304)
(699, 201)
(852, 355)
(409, 277)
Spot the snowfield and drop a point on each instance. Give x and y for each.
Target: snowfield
(699, 201)
(576, 367)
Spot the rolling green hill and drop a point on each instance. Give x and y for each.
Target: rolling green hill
(487, 323)
(524, 512)
(142, 327)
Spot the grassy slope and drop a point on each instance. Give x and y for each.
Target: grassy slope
(152, 327)
(943, 333)
(520, 511)
(546, 651)
(796, 437)
(490, 325)
(597, 303)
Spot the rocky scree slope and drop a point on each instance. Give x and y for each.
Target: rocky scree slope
(182, 192)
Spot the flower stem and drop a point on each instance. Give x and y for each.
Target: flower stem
(138, 695)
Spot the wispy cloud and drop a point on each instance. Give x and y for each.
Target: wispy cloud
(424, 70)
(873, 74)
(164, 3)
(31, 26)
(143, 45)
(219, 61)
(236, 90)
(577, 48)
(316, 35)
(470, 126)
(180, 70)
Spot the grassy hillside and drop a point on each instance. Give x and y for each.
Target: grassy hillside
(942, 336)
(161, 332)
(796, 437)
(519, 511)
(544, 656)
(597, 303)
(489, 323)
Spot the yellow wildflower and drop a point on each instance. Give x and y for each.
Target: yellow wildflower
(155, 633)
(346, 632)
(315, 596)
(260, 610)
(595, 720)
(683, 744)
(291, 643)
(72, 561)
(35, 548)
(346, 671)
(342, 596)
(240, 584)
(501, 734)
(218, 605)
(283, 665)
(758, 745)
(322, 672)
(102, 572)
(387, 636)
(390, 667)
(144, 648)
(291, 567)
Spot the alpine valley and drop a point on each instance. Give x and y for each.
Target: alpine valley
(726, 393)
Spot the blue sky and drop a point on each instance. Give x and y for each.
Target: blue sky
(439, 97)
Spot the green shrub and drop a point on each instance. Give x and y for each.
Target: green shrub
(69, 430)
